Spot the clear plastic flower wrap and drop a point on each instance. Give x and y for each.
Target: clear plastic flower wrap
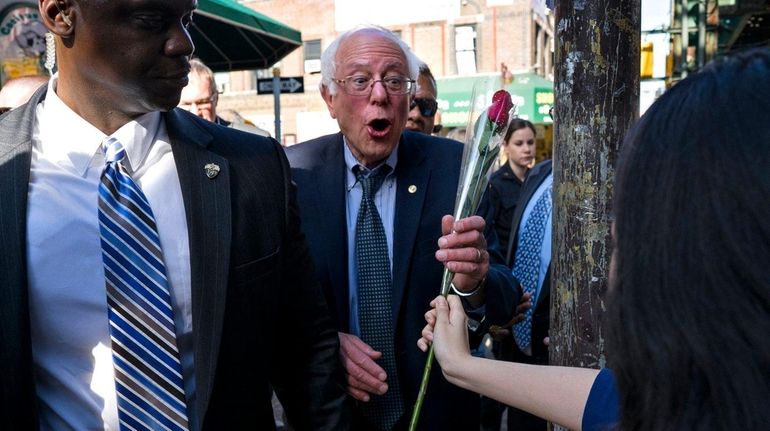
(487, 124)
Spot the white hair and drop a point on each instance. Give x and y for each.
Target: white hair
(329, 56)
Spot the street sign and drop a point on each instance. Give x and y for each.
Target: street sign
(295, 84)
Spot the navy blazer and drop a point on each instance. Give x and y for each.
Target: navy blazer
(259, 316)
(542, 308)
(427, 175)
(502, 195)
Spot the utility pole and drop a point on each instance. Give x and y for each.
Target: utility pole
(685, 41)
(277, 102)
(597, 99)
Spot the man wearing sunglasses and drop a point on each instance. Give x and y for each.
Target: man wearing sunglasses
(423, 107)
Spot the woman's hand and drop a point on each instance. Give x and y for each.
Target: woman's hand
(448, 331)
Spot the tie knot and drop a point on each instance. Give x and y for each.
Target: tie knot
(371, 181)
(113, 150)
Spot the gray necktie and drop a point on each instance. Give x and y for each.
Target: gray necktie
(375, 298)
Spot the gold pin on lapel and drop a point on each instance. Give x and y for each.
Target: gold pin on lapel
(212, 170)
(413, 189)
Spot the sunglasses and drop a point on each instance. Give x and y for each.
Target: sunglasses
(428, 107)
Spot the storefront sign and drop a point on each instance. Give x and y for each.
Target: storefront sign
(532, 95)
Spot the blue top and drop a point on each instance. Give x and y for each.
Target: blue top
(602, 410)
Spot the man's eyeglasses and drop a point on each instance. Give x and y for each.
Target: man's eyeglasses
(428, 107)
(361, 85)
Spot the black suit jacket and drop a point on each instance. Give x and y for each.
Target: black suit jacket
(502, 194)
(259, 316)
(427, 174)
(542, 309)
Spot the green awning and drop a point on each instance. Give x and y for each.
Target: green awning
(229, 36)
(532, 94)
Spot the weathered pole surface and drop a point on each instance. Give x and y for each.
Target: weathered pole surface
(597, 99)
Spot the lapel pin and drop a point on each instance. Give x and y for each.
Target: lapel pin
(212, 170)
(413, 189)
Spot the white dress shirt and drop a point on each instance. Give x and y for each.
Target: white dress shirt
(67, 297)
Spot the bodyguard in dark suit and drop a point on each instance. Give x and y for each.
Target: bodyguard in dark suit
(246, 310)
(367, 79)
(538, 180)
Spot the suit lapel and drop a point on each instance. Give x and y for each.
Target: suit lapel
(17, 387)
(15, 164)
(330, 191)
(412, 178)
(208, 214)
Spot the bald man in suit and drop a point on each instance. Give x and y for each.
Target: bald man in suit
(247, 312)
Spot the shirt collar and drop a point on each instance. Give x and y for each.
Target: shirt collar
(65, 135)
(351, 162)
(137, 137)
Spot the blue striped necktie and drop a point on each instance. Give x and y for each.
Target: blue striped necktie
(148, 374)
(526, 266)
(375, 297)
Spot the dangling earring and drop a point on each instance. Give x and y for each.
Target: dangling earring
(50, 52)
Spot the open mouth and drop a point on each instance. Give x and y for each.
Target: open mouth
(379, 127)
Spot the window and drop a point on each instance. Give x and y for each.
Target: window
(465, 49)
(312, 50)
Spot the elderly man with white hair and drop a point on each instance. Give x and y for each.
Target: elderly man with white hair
(374, 201)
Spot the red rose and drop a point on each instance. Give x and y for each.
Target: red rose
(498, 111)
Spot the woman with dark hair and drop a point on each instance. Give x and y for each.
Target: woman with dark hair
(692, 292)
(505, 183)
(689, 307)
